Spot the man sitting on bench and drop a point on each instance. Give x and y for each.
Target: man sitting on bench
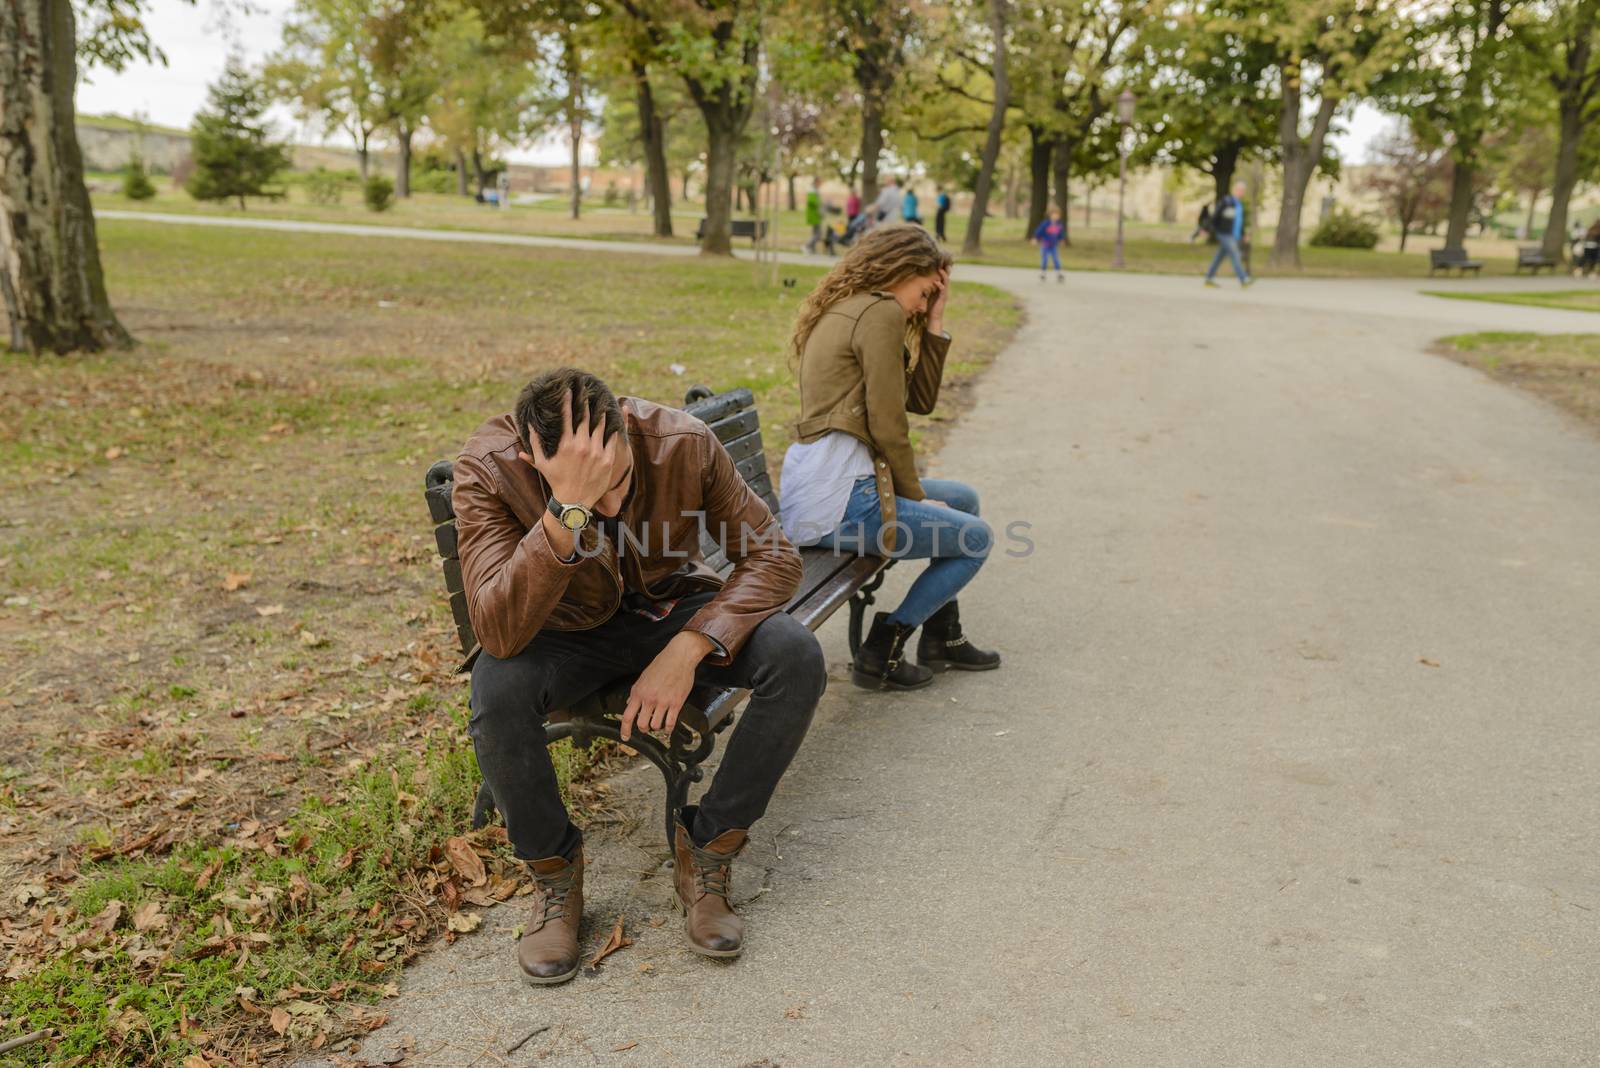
(579, 521)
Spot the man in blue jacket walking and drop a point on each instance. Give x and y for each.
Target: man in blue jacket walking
(1227, 222)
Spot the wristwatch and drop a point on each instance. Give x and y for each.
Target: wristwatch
(572, 516)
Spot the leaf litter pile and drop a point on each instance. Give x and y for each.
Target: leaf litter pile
(236, 784)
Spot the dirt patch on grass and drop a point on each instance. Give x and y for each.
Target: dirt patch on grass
(226, 664)
(1564, 369)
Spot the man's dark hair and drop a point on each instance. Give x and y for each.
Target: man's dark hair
(538, 410)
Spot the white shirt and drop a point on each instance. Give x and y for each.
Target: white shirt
(816, 483)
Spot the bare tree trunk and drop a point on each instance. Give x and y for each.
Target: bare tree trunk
(718, 240)
(726, 108)
(574, 75)
(1039, 149)
(973, 243)
(791, 194)
(1300, 157)
(655, 152)
(402, 167)
(871, 143)
(461, 173)
(1461, 178)
(363, 157)
(1223, 164)
(1533, 203)
(1555, 228)
(479, 178)
(54, 290)
(1061, 163)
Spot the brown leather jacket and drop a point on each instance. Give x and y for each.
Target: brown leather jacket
(516, 586)
(854, 378)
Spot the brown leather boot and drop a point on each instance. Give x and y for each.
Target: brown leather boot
(701, 877)
(548, 949)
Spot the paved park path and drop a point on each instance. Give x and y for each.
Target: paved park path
(1293, 759)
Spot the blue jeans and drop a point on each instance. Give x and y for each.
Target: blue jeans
(954, 539)
(1047, 253)
(1227, 245)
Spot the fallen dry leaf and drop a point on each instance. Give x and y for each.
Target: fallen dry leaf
(310, 640)
(464, 922)
(617, 941)
(459, 852)
(269, 609)
(1425, 662)
(235, 580)
(149, 917)
(622, 1048)
(115, 452)
(280, 1020)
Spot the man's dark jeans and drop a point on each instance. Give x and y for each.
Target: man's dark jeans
(781, 663)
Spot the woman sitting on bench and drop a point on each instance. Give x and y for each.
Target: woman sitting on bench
(871, 343)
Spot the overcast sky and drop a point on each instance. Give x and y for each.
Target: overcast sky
(198, 37)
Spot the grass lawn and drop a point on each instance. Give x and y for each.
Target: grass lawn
(1149, 247)
(1562, 368)
(235, 743)
(1574, 299)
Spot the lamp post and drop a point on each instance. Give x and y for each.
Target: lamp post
(1125, 104)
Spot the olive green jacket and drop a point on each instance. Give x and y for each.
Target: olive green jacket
(855, 376)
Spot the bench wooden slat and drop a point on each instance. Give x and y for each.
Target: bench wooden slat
(748, 445)
(722, 405)
(836, 589)
(752, 467)
(735, 426)
(452, 577)
(444, 536)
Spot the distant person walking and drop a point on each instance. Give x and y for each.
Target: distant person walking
(939, 216)
(1227, 222)
(852, 206)
(1051, 232)
(814, 215)
(887, 207)
(1202, 225)
(908, 207)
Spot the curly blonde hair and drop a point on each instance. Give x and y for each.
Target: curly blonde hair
(881, 259)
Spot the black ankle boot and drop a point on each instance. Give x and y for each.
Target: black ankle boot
(881, 663)
(943, 646)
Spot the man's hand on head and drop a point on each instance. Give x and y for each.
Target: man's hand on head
(580, 470)
(658, 694)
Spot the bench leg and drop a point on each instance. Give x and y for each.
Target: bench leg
(858, 610)
(678, 761)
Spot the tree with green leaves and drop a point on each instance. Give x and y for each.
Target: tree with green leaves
(875, 35)
(993, 42)
(1210, 93)
(1412, 177)
(1460, 92)
(486, 89)
(234, 154)
(325, 70)
(1327, 54)
(50, 276)
(715, 47)
(400, 38)
(1558, 39)
(1065, 55)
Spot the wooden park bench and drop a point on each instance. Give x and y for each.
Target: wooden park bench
(1533, 257)
(754, 229)
(1446, 259)
(829, 580)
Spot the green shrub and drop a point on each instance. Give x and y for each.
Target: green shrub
(324, 186)
(1345, 229)
(433, 182)
(379, 193)
(136, 184)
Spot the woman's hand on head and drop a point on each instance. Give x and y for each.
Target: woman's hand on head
(936, 305)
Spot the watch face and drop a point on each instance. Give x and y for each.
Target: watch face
(574, 517)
